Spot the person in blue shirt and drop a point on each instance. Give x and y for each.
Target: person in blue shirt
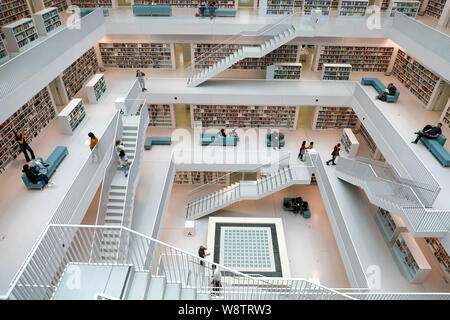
(430, 133)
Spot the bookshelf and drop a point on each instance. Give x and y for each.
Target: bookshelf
(384, 5)
(435, 8)
(349, 143)
(4, 56)
(410, 259)
(96, 87)
(323, 5)
(284, 54)
(13, 10)
(298, 5)
(138, 55)
(390, 225)
(336, 71)
(277, 6)
(201, 177)
(365, 59)
(284, 71)
(72, 116)
(60, 4)
(440, 254)
(92, 3)
(407, 7)
(445, 117)
(352, 8)
(240, 116)
(30, 119)
(20, 34)
(417, 78)
(366, 136)
(332, 118)
(47, 21)
(78, 72)
(222, 4)
(160, 115)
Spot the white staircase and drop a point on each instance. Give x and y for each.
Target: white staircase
(242, 53)
(248, 190)
(396, 197)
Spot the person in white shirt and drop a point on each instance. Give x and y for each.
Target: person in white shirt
(216, 277)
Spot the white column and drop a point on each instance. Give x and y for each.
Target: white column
(445, 16)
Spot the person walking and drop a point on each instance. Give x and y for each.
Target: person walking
(334, 154)
(212, 9)
(202, 8)
(119, 147)
(92, 143)
(216, 278)
(124, 163)
(310, 146)
(202, 253)
(23, 145)
(35, 176)
(302, 152)
(140, 76)
(429, 132)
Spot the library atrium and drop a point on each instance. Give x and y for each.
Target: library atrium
(224, 150)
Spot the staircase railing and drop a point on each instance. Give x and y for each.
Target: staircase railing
(62, 245)
(192, 70)
(399, 197)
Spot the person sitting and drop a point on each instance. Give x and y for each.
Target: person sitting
(391, 90)
(294, 205)
(212, 9)
(222, 133)
(202, 8)
(429, 132)
(39, 166)
(34, 176)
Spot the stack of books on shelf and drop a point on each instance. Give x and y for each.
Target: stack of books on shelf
(446, 116)
(47, 20)
(284, 71)
(280, 6)
(298, 5)
(82, 69)
(385, 4)
(353, 8)
(349, 142)
(20, 34)
(323, 5)
(96, 87)
(221, 4)
(284, 54)
(417, 78)
(30, 119)
(366, 136)
(72, 116)
(3, 52)
(241, 116)
(60, 4)
(201, 177)
(365, 59)
(161, 115)
(435, 7)
(13, 10)
(336, 71)
(407, 7)
(441, 255)
(92, 3)
(137, 55)
(390, 225)
(329, 118)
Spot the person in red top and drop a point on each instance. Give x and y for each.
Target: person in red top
(334, 154)
(302, 150)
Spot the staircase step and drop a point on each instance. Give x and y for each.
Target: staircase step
(116, 198)
(114, 212)
(118, 187)
(172, 291)
(115, 205)
(156, 288)
(188, 294)
(138, 286)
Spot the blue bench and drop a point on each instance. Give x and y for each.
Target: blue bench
(306, 213)
(53, 161)
(436, 147)
(220, 12)
(150, 141)
(152, 10)
(379, 86)
(269, 141)
(84, 12)
(207, 138)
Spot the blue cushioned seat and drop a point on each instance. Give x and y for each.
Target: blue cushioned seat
(150, 141)
(84, 12)
(152, 10)
(379, 86)
(55, 158)
(436, 147)
(269, 141)
(207, 138)
(220, 12)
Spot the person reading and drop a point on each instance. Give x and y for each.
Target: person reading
(429, 132)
